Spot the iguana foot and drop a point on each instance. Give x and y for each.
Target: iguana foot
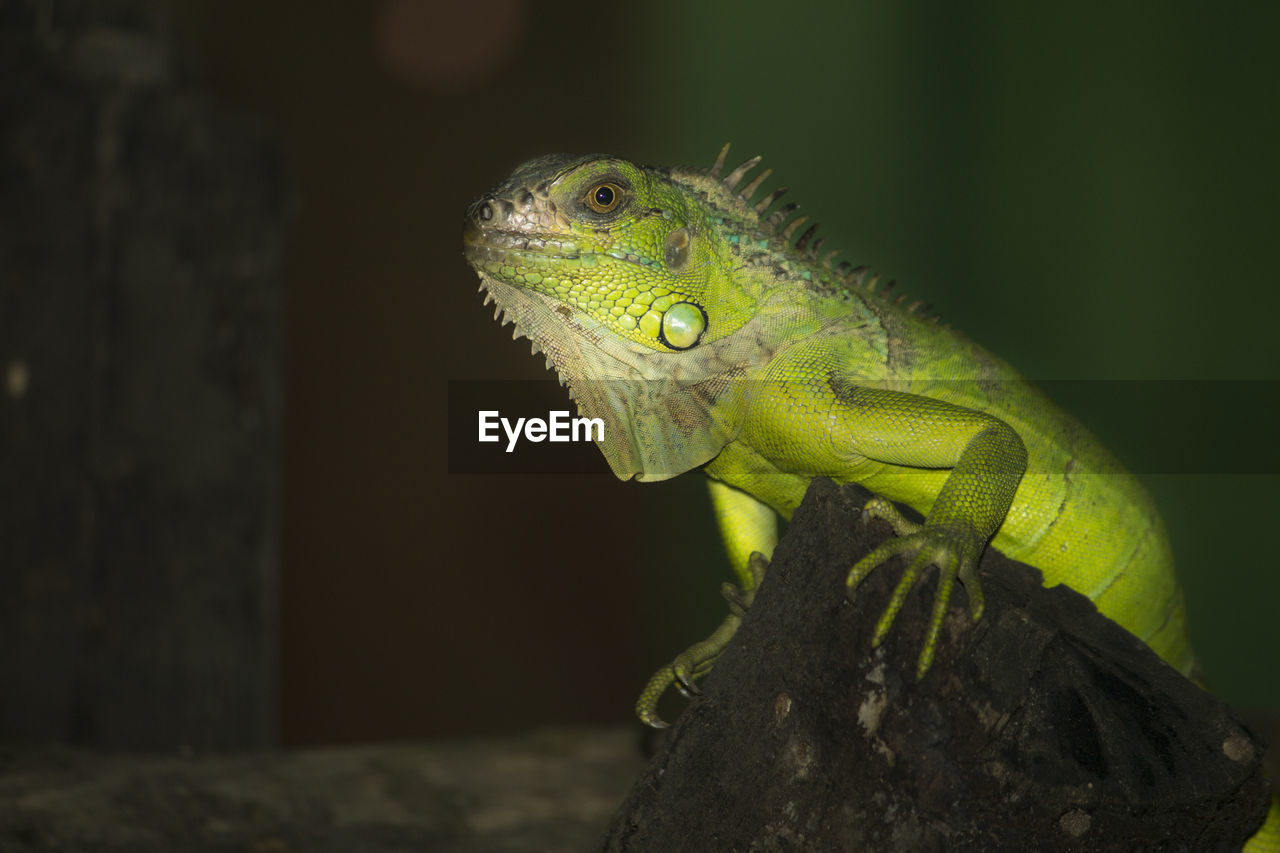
(683, 672)
(952, 547)
(696, 661)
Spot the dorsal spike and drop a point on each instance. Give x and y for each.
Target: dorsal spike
(718, 166)
(735, 177)
(750, 189)
(793, 225)
(845, 270)
(780, 215)
(806, 237)
(827, 258)
(763, 204)
(817, 244)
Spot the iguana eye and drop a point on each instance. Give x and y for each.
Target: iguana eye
(682, 325)
(604, 198)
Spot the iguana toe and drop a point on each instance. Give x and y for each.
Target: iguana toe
(952, 549)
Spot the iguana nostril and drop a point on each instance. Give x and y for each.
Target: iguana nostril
(486, 211)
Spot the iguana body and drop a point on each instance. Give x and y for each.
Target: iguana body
(705, 333)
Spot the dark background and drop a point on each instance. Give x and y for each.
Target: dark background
(1090, 190)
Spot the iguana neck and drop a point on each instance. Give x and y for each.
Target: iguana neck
(663, 413)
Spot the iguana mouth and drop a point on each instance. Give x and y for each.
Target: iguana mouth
(493, 244)
(496, 245)
(530, 312)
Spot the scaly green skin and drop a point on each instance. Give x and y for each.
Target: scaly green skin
(706, 334)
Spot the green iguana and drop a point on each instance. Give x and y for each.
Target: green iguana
(691, 318)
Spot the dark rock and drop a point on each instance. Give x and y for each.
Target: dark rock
(1045, 726)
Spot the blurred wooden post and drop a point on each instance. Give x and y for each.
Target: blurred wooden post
(140, 232)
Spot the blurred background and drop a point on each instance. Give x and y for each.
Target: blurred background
(1090, 190)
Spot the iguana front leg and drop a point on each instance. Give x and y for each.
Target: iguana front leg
(749, 529)
(987, 460)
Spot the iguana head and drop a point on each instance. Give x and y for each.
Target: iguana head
(638, 250)
(634, 282)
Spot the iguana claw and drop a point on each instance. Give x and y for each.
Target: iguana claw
(697, 660)
(953, 548)
(683, 672)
